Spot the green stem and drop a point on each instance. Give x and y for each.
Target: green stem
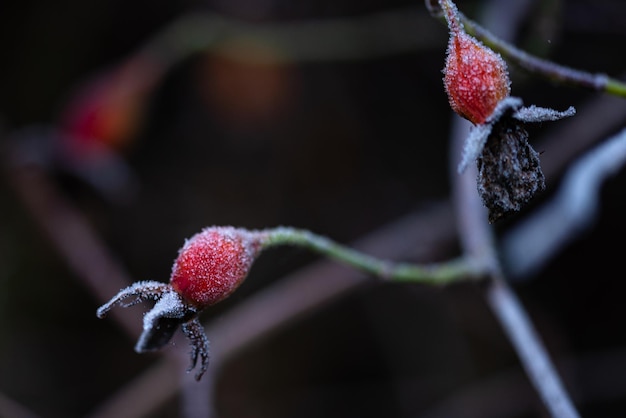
(437, 274)
(615, 87)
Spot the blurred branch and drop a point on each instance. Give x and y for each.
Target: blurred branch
(570, 211)
(369, 36)
(478, 241)
(12, 409)
(602, 374)
(560, 145)
(72, 236)
(595, 120)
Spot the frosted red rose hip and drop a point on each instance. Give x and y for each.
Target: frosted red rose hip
(213, 263)
(475, 77)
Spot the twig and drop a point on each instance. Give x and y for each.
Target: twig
(435, 274)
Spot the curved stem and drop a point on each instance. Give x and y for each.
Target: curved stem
(441, 273)
(451, 14)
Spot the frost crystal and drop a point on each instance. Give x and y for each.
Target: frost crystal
(160, 323)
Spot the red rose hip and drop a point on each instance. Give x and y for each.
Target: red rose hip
(213, 263)
(476, 78)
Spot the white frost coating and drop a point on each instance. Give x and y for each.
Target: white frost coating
(169, 306)
(541, 114)
(474, 144)
(535, 240)
(248, 238)
(479, 134)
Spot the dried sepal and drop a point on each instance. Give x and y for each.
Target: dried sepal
(534, 113)
(199, 342)
(161, 322)
(510, 107)
(138, 291)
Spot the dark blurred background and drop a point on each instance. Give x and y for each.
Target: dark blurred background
(340, 146)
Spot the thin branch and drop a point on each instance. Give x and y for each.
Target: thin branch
(436, 274)
(368, 36)
(569, 212)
